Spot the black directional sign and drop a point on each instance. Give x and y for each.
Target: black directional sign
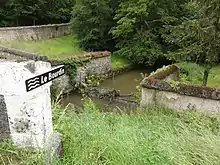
(44, 78)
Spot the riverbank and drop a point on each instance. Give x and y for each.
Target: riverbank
(152, 136)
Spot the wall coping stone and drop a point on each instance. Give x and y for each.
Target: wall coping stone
(90, 55)
(33, 27)
(20, 53)
(54, 62)
(156, 81)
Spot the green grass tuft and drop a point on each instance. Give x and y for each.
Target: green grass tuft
(12, 155)
(192, 73)
(118, 62)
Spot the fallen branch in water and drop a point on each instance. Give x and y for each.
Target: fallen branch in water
(126, 95)
(126, 100)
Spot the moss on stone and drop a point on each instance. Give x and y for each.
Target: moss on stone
(156, 81)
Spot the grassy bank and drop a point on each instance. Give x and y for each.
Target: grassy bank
(55, 48)
(193, 74)
(59, 48)
(155, 136)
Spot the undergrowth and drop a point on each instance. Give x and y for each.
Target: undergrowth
(12, 155)
(154, 136)
(157, 136)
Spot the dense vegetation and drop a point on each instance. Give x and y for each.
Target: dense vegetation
(154, 136)
(197, 36)
(34, 12)
(142, 31)
(145, 31)
(91, 21)
(132, 28)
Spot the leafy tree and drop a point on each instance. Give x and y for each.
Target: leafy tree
(197, 38)
(26, 9)
(91, 22)
(140, 27)
(31, 12)
(58, 10)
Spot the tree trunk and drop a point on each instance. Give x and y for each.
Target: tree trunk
(205, 76)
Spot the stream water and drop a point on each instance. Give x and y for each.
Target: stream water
(126, 83)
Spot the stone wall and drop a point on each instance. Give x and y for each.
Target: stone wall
(157, 89)
(99, 63)
(19, 55)
(34, 32)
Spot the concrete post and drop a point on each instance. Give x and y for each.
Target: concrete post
(24, 116)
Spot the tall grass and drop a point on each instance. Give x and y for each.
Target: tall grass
(157, 136)
(12, 155)
(193, 74)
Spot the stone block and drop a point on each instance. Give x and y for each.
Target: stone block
(27, 114)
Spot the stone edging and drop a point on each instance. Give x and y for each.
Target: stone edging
(156, 81)
(164, 73)
(90, 55)
(33, 27)
(20, 53)
(38, 57)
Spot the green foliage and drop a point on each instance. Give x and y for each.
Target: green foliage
(31, 12)
(192, 73)
(174, 84)
(151, 136)
(54, 91)
(154, 136)
(119, 61)
(10, 154)
(140, 24)
(159, 70)
(71, 67)
(197, 37)
(91, 22)
(93, 80)
(137, 94)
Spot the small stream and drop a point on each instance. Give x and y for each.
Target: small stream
(126, 83)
